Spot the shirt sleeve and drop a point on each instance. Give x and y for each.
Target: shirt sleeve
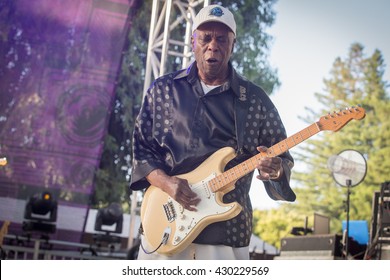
(281, 190)
(273, 132)
(146, 151)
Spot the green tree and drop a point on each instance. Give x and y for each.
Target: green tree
(112, 177)
(272, 225)
(250, 57)
(253, 42)
(357, 79)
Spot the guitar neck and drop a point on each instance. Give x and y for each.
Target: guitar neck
(244, 168)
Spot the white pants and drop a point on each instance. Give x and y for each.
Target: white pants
(198, 252)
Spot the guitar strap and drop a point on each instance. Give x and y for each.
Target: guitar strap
(241, 108)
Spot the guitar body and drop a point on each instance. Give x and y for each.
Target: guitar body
(161, 215)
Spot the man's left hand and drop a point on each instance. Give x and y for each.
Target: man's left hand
(270, 168)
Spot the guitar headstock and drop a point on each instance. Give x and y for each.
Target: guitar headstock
(336, 120)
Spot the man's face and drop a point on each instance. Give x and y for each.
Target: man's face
(213, 45)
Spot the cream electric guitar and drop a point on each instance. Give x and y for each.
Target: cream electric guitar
(169, 228)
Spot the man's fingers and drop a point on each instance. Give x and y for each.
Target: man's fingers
(188, 199)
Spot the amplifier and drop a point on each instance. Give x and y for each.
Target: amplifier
(385, 252)
(321, 246)
(380, 221)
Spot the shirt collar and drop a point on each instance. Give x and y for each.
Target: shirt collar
(233, 82)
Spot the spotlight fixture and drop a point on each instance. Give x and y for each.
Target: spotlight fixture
(110, 219)
(41, 213)
(3, 161)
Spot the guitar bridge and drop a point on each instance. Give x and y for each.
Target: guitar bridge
(170, 211)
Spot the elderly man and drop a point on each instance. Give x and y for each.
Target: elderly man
(185, 118)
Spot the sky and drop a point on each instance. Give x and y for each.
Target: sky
(308, 35)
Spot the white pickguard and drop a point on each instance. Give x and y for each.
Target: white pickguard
(186, 220)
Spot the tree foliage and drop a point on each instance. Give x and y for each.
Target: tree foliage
(250, 58)
(253, 42)
(272, 225)
(357, 79)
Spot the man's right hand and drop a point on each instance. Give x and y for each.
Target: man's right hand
(175, 187)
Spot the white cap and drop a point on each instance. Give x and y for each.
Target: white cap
(214, 13)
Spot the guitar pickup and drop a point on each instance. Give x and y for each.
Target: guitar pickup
(170, 211)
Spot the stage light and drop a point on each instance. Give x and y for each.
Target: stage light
(41, 207)
(3, 161)
(40, 213)
(110, 219)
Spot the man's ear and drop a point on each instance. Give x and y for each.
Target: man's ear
(234, 43)
(192, 42)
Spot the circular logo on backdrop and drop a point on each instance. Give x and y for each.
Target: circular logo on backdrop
(81, 115)
(81, 175)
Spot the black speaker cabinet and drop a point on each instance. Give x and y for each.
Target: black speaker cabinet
(380, 221)
(327, 246)
(379, 245)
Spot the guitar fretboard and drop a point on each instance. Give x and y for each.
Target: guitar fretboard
(244, 168)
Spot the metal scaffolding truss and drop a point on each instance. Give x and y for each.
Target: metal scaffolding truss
(164, 20)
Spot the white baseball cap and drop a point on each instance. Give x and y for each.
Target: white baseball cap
(214, 13)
